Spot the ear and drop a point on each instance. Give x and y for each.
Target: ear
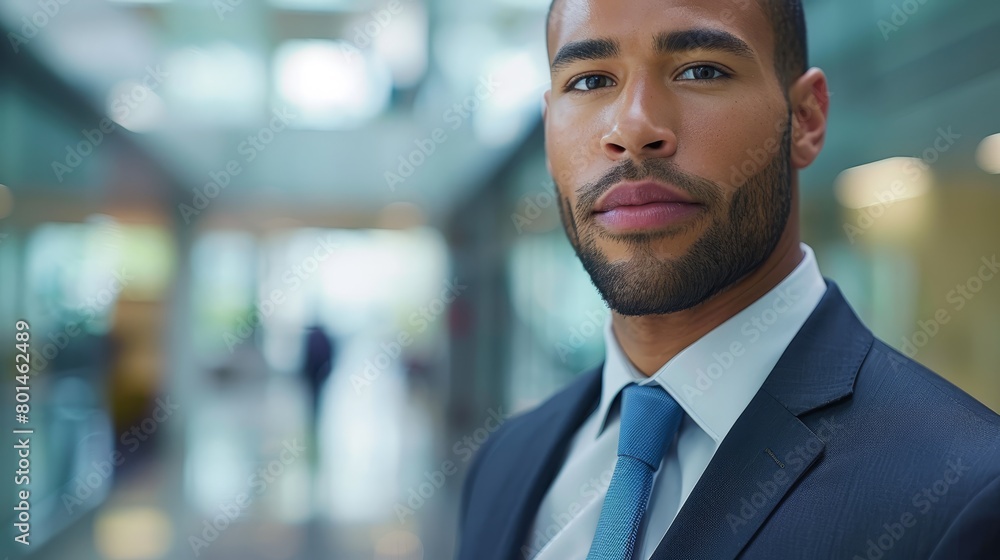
(810, 101)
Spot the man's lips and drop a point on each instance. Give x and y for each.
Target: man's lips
(645, 205)
(638, 194)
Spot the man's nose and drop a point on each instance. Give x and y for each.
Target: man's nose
(639, 126)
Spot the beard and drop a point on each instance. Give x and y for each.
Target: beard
(735, 244)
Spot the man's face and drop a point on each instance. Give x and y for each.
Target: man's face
(667, 133)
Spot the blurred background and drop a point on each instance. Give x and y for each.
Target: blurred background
(288, 263)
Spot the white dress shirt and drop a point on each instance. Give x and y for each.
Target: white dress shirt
(713, 379)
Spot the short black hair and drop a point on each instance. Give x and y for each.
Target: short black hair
(791, 53)
(788, 20)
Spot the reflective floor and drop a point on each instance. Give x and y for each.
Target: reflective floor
(211, 502)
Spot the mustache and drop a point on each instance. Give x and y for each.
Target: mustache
(663, 171)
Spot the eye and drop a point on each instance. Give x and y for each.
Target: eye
(593, 81)
(702, 72)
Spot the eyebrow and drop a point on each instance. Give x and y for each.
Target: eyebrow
(702, 38)
(587, 49)
(663, 43)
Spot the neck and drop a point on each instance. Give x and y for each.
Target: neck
(650, 341)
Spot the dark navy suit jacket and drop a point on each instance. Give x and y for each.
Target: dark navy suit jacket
(850, 450)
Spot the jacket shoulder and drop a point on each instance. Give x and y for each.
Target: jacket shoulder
(499, 444)
(538, 415)
(887, 367)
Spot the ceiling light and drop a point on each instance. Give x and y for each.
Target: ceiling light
(988, 154)
(883, 182)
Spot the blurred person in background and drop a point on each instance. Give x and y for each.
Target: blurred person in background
(742, 409)
(319, 356)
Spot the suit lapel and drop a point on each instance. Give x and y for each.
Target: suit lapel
(763, 456)
(524, 481)
(770, 448)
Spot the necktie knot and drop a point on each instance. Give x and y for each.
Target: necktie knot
(650, 418)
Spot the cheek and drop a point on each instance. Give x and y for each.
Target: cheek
(560, 170)
(573, 152)
(727, 146)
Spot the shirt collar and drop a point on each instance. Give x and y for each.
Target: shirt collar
(716, 377)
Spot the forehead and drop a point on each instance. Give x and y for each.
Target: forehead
(574, 20)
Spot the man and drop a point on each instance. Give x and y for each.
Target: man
(743, 410)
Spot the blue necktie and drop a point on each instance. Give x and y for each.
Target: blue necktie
(649, 421)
